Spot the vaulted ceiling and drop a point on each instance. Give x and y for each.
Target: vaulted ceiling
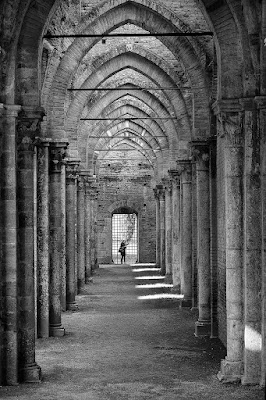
(148, 94)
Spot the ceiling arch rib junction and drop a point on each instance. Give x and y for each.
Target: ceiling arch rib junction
(129, 64)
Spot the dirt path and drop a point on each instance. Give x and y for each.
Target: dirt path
(120, 347)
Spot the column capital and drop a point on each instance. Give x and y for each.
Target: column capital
(185, 168)
(160, 191)
(200, 150)
(167, 183)
(91, 188)
(72, 166)
(175, 176)
(28, 127)
(42, 142)
(57, 154)
(260, 102)
(231, 128)
(226, 106)
(248, 103)
(10, 110)
(156, 193)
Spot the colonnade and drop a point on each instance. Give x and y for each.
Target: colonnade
(214, 200)
(48, 238)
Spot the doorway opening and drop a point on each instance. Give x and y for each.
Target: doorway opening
(125, 228)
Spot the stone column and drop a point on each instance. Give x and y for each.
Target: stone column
(57, 152)
(230, 126)
(162, 228)
(71, 204)
(88, 266)
(93, 208)
(213, 235)
(252, 245)
(81, 231)
(28, 127)
(200, 151)
(186, 235)
(43, 237)
(261, 105)
(176, 242)
(168, 230)
(63, 236)
(9, 244)
(157, 198)
(261, 102)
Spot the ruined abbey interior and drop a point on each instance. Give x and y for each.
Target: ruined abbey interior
(147, 114)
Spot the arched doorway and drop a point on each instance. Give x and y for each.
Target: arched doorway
(125, 227)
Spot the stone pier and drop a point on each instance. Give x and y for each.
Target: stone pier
(43, 262)
(162, 227)
(176, 242)
(158, 239)
(252, 246)
(200, 151)
(57, 153)
(81, 231)
(9, 245)
(168, 230)
(230, 130)
(186, 238)
(71, 203)
(28, 128)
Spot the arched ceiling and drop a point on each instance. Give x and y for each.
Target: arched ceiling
(164, 86)
(160, 84)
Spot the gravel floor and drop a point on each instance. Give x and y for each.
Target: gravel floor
(119, 347)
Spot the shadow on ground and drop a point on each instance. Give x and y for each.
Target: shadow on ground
(120, 347)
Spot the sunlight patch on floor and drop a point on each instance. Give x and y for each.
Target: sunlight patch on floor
(145, 269)
(149, 277)
(154, 286)
(143, 265)
(161, 296)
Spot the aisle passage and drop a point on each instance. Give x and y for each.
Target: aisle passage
(129, 340)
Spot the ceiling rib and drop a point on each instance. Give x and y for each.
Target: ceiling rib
(159, 34)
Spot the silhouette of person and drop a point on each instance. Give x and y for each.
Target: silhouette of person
(122, 250)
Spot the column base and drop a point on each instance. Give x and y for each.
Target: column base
(81, 284)
(31, 373)
(202, 328)
(186, 303)
(168, 279)
(230, 371)
(72, 306)
(249, 381)
(57, 331)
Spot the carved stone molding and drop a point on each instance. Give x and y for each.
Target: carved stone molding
(174, 176)
(156, 193)
(72, 169)
(260, 102)
(231, 127)
(167, 183)
(57, 151)
(160, 191)
(200, 151)
(226, 106)
(28, 127)
(185, 169)
(91, 187)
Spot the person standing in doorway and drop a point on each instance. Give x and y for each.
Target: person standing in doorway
(122, 250)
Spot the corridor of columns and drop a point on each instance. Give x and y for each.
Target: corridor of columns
(140, 121)
(129, 340)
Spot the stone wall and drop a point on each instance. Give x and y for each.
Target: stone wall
(126, 181)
